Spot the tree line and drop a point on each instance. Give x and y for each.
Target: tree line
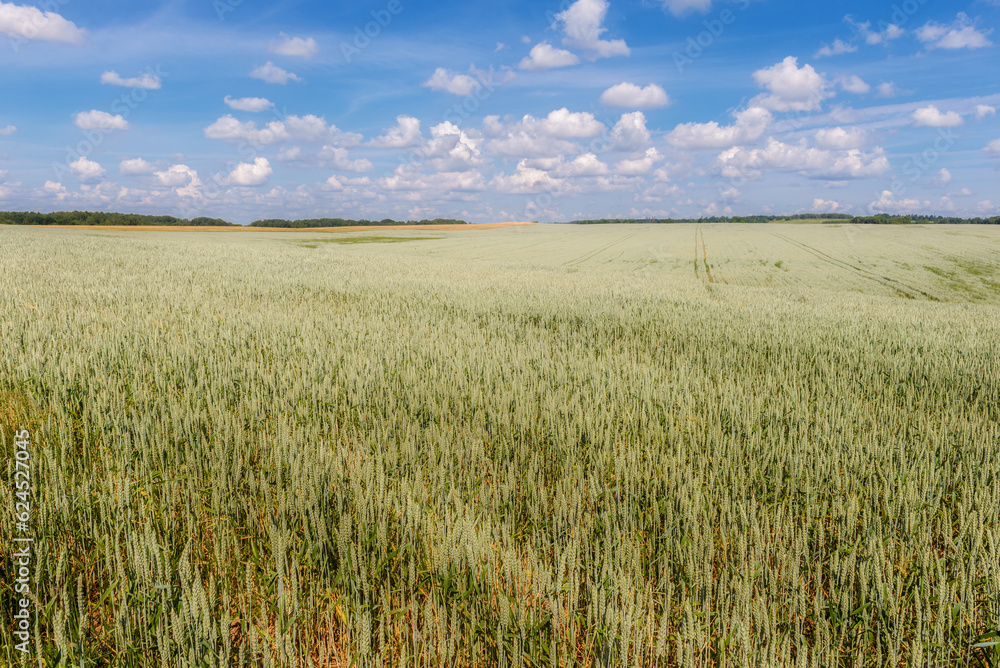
(104, 218)
(346, 222)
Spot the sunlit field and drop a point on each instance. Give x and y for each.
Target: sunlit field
(553, 445)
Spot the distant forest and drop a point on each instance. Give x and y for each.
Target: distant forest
(877, 219)
(104, 218)
(344, 222)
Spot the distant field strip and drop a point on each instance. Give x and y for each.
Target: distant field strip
(541, 445)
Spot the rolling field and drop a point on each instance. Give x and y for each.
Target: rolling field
(546, 445)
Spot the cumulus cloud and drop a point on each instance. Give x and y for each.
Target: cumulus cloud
(993, 148)
(146, 80)
(840, 139)
(451, 148)
(338, 157)
(838, 47)
(682, 7)
(750, 126)
(134, 167)
(251, 174)
(962, 34)
(30, 23)
(544, 56)
(824, 205)
(853, 84)
(406, 179)
(533, 137)
(982, 111)
(792, 88)
(87, 170)
(406, 133)
(932, 117)
(271, 73)
(451, 82)
(249, 103)
(100, 120)
(526, 180)
(295, 46)
(630, 133)
(888, 203)
(181, 178)
(582, 24)
(639, 166)
(631, 96)
(743, 163)
(944, 177)
(309, 128)
(586, 164)
(7, 131)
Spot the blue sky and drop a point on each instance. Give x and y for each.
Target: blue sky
(500, 111)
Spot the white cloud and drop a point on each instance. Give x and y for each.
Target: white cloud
(405, 178)
(681, 7)
(639, 166)
(750, 125)
(984, 111)
(962, 34)
(586, 164)
(888, 203)
(566, 124)
(792, 88)
(582, 26)
(406, 133)
(993, 148)
(350, 185)
(838, 47)
(526, 180)
(295, 46)
(134, 167)
(840, 139)
(100, 120)
(630, 133)
(182, 178)
(824, 205)
(271, 73)
(7, 131)
(631, 96)
(339, 158)
(451, 82)
(177, 175)
(87, 170)
(26, 23)
(944, 177)
(146, 80)
(452, 149)
(251, 174)
(932, 117)
(544, 56)
(309, 128)
(249, 103)
(853, 84)
(743, 163)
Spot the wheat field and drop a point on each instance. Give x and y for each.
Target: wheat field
(732, 445)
